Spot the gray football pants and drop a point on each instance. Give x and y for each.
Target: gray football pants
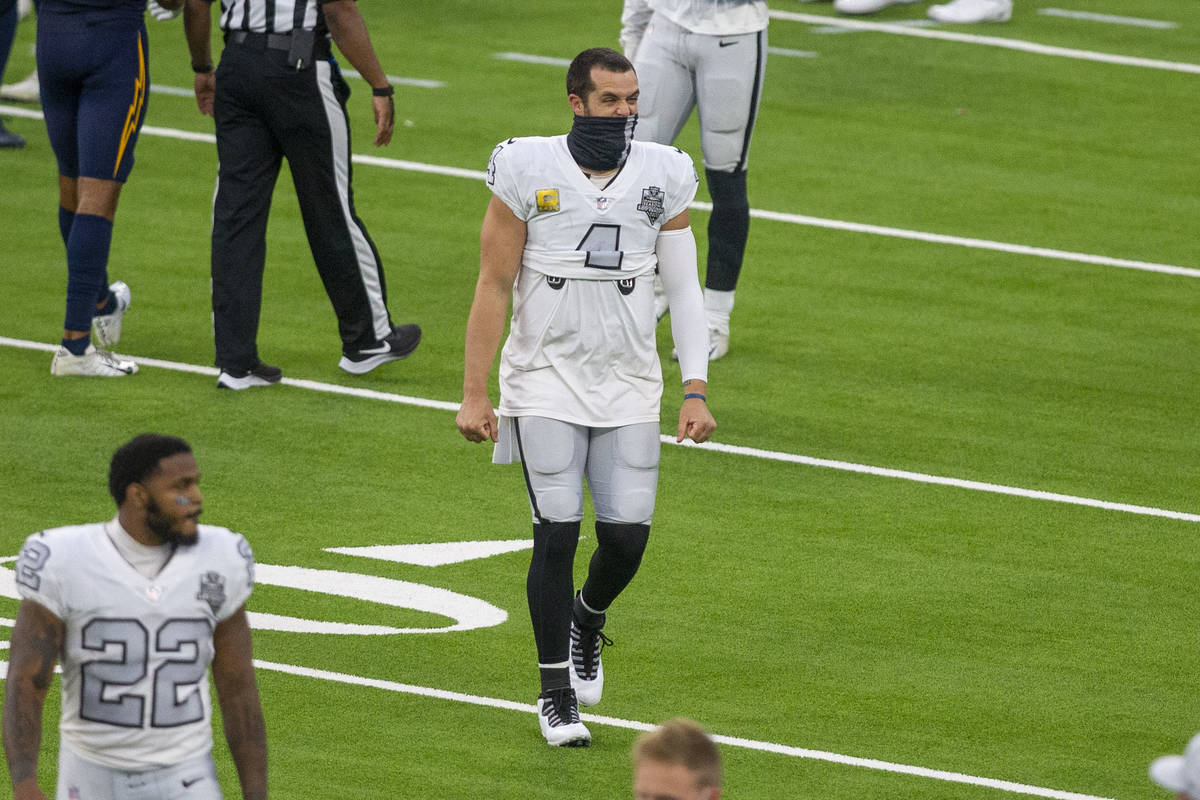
(620, 464)
(721, 76)
(80, 778)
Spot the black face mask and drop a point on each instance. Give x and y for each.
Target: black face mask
(601, 143)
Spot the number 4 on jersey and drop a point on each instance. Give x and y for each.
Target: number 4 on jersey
(603, 246)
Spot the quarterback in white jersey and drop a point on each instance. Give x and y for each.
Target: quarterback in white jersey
(138, 608)
(574, 231)
(587, 266)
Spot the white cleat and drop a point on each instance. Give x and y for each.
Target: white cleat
(966, 12)
(587, 668)
(558, 716)
(718, 343)
(865, 6)
(26, 91)
(106, 329)
(92, 364)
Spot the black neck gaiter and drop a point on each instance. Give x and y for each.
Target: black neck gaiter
(601, 143)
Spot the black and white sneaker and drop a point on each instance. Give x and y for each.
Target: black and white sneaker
(558, 716)
(400, 344)
(259, 375)
(587, 671)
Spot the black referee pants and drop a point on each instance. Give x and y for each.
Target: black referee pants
(266, 111)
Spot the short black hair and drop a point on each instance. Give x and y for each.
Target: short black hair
(579, 74)
(138, 459)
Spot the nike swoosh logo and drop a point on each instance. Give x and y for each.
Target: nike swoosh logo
(377, 350)
(725, 44)
(186, 784)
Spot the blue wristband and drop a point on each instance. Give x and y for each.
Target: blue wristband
(697, 396)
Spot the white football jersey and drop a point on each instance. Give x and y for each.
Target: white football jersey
(581, 345)
(137, 650)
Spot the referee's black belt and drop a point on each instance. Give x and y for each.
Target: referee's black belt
(260, 41)
(278, 41)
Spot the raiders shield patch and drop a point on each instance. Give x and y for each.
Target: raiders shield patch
(652, 203)
(212, 590)
(547, 200)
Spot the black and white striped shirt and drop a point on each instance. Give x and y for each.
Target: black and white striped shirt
(270, 16)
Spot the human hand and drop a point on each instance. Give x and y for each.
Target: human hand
(28, 790)
(695, 421)
(385, 119)
(476, 420)
(205, 85)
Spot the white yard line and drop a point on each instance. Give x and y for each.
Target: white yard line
(616, 722)
(775, 216)
(730, 741)
(989, 41)
(715, 447)
(1111, 19)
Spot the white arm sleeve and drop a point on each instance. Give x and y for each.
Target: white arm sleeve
(676, 251)
(634, 18)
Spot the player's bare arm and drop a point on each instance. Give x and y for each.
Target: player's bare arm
(237, 693)
(349, 33)
(501, 242)
(37, 639)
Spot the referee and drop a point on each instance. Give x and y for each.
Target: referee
(278, 93)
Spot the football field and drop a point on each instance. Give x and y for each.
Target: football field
(945, 543)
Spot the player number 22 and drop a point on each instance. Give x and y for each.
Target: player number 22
(187, 643)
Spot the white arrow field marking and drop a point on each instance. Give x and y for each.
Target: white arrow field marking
(435, 554)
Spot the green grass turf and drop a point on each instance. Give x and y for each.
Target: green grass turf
(995, 636)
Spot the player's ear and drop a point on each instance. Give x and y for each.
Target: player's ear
(137, 495)
(577, 105)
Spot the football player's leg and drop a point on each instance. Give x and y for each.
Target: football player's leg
(665, 81)
(553, 455)
(729, 87)
(111, 109)
(622, 473)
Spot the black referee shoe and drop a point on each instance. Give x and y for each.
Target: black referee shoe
(400, 344)
(259, 375)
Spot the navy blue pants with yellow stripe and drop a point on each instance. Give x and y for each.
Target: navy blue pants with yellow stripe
(94, 69)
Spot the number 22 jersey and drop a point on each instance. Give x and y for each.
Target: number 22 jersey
(137, 650)
(581, 345)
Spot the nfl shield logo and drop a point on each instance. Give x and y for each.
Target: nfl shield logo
(652, 203)
(212, 590)
(602, 203)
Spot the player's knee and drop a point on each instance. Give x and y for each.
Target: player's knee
(631, 507)
(623, 541)
(556, 540)
(560, 504)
